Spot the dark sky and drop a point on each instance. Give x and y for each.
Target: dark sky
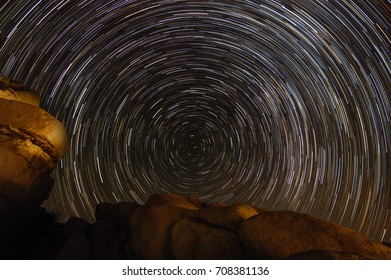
(282, 104)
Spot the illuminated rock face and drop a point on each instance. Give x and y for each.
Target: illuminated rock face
(171, 226)
(31, 140)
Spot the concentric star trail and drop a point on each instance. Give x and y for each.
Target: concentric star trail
(282, 104)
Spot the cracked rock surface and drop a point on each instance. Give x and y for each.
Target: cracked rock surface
(31, 140)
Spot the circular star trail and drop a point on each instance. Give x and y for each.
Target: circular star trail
(281, 104)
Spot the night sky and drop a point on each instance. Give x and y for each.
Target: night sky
(281, 104)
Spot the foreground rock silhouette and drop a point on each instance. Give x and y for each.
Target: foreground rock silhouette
(170, 226)
(31, 143)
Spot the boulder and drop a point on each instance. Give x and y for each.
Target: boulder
(196, 241)
(77, 247)
(31, 141)
(229, 217)
(28, 97)
(105, 241)
(120, 213)
(5, 83)
(152, 224)
(21, 164)
(27, 122)
(76, 223)
(281, 234)
(104, 211)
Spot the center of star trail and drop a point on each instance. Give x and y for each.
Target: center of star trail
(281, 104)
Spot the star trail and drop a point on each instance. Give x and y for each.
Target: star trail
(281, 104)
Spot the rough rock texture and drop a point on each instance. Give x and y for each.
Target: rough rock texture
(31, 141)
(229, 217)
(13, 90)
(170, 226)
(152, 223)
(280, 234)
(197, 240)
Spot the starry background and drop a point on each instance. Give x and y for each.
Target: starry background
(281, 104)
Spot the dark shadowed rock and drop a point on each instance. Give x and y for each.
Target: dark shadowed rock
(130, 254)
(106, 241)
(152, 223)
(104, 211)
(29, 233)
(77, 247)
(123, 213)
(120, 213)
(192, 240)
(75, 223)
(280, 234)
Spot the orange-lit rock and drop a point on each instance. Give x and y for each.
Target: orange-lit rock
(152, 224)
(229, 217)
(31, 140)
(281, 234)
(198, 241)
(12, 90)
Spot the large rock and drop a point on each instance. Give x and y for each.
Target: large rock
(106, 241)
(77, 247)
(120, 213)
(191, 240)
(229, 217)
(13, 90)
(281, 234)
(34, 196)
(20, 120)
(31, 140)
(75, 223)
(21, 164)
(172, 226)
(152, 224)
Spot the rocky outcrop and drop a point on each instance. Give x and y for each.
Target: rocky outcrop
(191, 240)
(170, 226)
(31, 141)
(281, 234)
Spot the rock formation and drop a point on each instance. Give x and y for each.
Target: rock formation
(168, 226)
(31, 142)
